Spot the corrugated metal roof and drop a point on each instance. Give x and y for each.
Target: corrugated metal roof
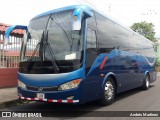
(17, 32)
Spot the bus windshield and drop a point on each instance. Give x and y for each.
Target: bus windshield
(49, 46)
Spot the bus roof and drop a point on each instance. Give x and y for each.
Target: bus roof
(63, 9)
(88, 8)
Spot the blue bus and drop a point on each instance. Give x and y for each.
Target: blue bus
(76, 54)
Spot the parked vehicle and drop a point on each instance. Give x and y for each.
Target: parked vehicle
(76, 54)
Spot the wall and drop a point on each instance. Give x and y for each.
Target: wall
(9, 56)
(8, 77)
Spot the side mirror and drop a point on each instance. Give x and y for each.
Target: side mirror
(10, 29)
(77, 16)
(77, 23)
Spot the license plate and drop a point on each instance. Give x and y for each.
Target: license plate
(40, 95)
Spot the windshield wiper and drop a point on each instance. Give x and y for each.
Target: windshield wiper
(43, 43)
(62, 30)
(47, 45)
(34, 52)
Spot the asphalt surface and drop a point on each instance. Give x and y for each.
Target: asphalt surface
(135, 101)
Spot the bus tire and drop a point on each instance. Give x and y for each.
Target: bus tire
(108, 92)
(146, 83)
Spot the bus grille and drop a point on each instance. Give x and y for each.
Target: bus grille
(42, 89)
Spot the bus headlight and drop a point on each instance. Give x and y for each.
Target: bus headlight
(21, 84)
(70, 85)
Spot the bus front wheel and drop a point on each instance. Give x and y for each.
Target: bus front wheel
(108, 92)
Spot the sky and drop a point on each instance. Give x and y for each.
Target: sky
(127, 12)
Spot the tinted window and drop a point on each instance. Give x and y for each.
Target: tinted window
(91, 40)
(121, 36)
(149, 49)
(91, 20)
(132, 43)
(111, 36)
(91, 50)
(105, 34)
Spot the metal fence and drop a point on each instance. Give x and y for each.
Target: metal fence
(9, 54)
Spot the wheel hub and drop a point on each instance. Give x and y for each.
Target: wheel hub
(109, 90)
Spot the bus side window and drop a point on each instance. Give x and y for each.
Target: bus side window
(91, 41)
(91, 20)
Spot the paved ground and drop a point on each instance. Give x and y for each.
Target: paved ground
(8, 94)
(134, 100)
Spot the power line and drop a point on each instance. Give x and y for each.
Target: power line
(151, 12)
(80, 2)
(104, 11)
(86, 2)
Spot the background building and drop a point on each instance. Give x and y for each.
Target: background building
(9, 56)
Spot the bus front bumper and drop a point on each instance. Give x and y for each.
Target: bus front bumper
(69, 96)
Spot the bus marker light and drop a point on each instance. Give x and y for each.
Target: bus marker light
(102, 75)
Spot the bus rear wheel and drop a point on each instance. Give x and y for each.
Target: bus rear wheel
(108, 92)
(146, 83)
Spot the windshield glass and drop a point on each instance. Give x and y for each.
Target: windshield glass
(49, 47)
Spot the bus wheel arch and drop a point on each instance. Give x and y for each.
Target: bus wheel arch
(108, 90)
(115, 81)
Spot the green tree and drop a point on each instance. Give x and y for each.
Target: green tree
(145, 29)
(157, 62)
